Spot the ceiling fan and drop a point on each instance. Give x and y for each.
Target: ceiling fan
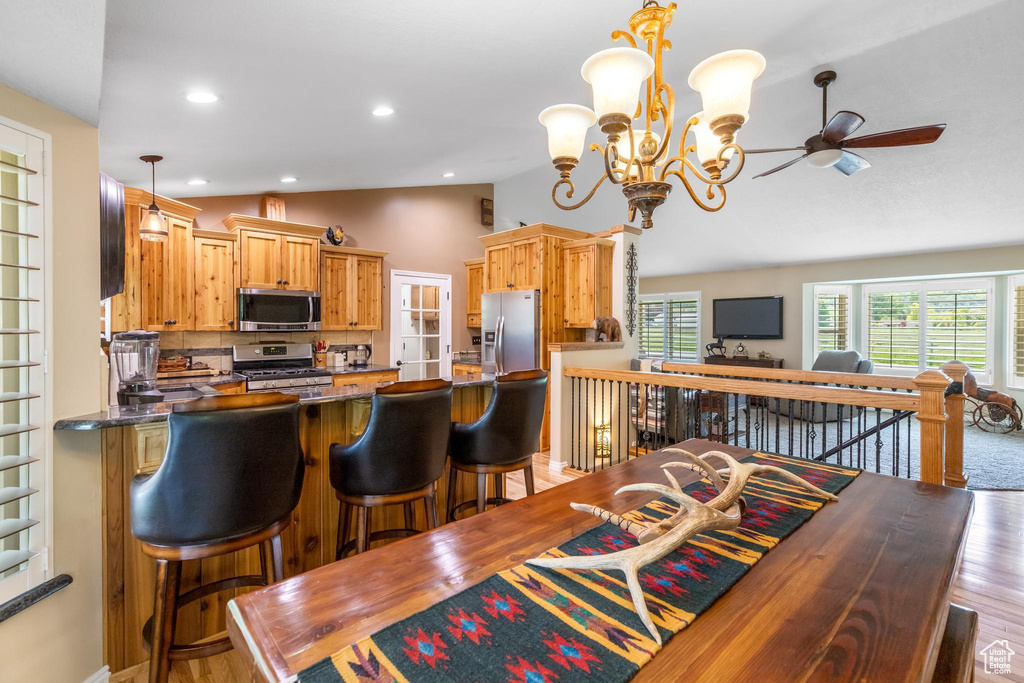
(831, 147)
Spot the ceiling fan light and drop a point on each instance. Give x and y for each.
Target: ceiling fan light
(708, 144)
(567, 126)
(615, 75)
(825, 158)
(153, 226)
(724, 82)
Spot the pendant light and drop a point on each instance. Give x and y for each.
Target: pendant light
(153, 226)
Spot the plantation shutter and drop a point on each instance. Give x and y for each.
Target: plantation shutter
(652, 328)
(21, 374)
(1017, 330)
(832, 319)
(893, 324)
(670, 326)
(681, 314)
(957, 327)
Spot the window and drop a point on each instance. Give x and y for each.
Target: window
(670, 326)
(832, 318)
(913, 326)
(24, 501)
(1015, 374)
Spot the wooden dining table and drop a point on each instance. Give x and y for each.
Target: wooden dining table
(859, 592)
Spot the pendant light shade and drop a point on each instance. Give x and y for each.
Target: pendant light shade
(708, 144)
(724, 82)
(567, 126)
(153, 226)
(615, 75)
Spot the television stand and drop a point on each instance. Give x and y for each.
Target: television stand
(747, 362)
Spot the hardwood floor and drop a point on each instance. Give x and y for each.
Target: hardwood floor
(990, 581)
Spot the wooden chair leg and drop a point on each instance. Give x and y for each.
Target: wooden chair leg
(481, 492)
(410, 515)
(276, 559)
(264, 549)
(362, 529)
(165, 614)
(344, 522)
(430, 502)
(528, 478)
(499, 485)
(453, 487)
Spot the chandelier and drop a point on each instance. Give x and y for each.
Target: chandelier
(639, 160)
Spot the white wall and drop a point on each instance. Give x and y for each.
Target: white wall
(962, 192)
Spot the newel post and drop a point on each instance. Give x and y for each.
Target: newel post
(931, 384)
(955, 370)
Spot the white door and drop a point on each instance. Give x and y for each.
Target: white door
(421, 324)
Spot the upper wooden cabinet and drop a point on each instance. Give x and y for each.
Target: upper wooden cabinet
(351, 288)
(514, 265)
(215, 266)
(158, 276)
(276, 254)
(587, 273)
(474, 291)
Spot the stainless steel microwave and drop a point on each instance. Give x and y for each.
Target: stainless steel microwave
(278, 310)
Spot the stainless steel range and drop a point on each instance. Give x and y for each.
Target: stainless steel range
(267, 367)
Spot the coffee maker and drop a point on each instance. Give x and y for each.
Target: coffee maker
(133, 362)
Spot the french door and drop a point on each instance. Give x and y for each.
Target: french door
(421, 324)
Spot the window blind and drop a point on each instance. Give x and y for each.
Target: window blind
(22, 489)
(893, 325)
(832, 320)
(1016, 324)
(957, 327)
(670, 326)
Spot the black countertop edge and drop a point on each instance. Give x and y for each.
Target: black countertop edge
(123, 416)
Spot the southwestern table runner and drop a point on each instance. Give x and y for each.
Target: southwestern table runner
(534, 625)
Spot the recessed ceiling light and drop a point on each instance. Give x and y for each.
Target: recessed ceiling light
(197, 181)
(383, 110)
(201, 96)
(288, 179)
(449, 174)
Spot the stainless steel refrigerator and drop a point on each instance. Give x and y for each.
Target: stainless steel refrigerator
(511, 329)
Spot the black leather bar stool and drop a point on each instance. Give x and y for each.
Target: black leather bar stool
(230, 479)
(397, 460)
(503, 440)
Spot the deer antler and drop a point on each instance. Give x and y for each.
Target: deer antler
(629, 561)
(722, 513)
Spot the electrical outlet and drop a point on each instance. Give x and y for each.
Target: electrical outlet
(476, 339)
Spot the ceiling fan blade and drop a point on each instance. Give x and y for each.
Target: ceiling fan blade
(899, 138)
(779, 168)
(851, 163)
(843, 124)
(776, 149)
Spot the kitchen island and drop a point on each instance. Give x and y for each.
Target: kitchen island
(133, 440)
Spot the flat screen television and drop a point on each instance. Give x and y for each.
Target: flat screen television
(757, 317)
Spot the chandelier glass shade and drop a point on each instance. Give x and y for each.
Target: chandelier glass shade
(639, 159)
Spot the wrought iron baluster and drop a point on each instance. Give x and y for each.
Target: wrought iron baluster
(586, 426)
(789, 419)
(839, 433)
(572, 423)
(878, 441)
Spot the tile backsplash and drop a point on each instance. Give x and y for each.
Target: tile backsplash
(214, 348)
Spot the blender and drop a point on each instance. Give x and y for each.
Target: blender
(133, 360)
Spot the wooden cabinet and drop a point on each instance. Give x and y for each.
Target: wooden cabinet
(514, 265)
(276, 254)
(587, 272)
(351, 288)
(271, 261)
(214, 264)
(465, 369)
(158, 276)
(168, 290)
(364, 378)
(474, 291)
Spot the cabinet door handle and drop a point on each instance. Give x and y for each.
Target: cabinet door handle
(285, 282)
(231, 323)
(280, 282)
(566, 320)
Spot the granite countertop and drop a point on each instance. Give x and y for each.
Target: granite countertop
(351, 369)
(121, 416)
(207, 380)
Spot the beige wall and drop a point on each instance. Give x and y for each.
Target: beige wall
(426, 229)
(58, 639)
(789, 282)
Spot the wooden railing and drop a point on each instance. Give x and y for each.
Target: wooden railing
(615, 414)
